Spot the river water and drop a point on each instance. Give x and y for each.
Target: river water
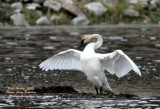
(23, 49)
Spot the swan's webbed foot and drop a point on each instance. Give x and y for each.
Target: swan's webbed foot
(100, 91)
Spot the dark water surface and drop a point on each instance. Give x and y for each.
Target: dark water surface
(23, 49)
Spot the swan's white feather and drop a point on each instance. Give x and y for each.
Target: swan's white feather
(65, 60)
(91, 63)
(118, 63)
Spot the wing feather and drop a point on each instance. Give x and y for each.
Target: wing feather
(118, 63)
(65, 60)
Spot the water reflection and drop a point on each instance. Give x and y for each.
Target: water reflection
(57, 102)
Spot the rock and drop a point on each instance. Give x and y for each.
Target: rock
(96, 8)
(80, 20)
(131, 13)
(143, 3)
(72, 9)
(54, 18)
(110, 3)
(43, 21)
(54, 5)
(32, 6)
(39, 13)
(18, 6)
(155, 4)
(67, 1)
(19, 20)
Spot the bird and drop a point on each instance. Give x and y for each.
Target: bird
(91, 63)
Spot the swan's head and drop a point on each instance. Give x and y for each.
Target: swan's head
(88, 38)
(85, 40)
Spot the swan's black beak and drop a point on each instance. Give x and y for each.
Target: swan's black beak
(81, 44)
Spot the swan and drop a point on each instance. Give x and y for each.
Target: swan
(91, 63)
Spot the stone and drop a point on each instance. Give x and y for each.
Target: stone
(43, 21)
(96, 8)
(33, 6)
(39, 13)
(110, 3)
(54, 5)
(55, 18)
(72, 9)
(155, 4)
(143, 3)
(67, 1)
(18, 6)
(131, 13)
(80, 20)
(19, 20)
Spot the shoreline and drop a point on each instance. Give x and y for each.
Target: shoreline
(88, 26)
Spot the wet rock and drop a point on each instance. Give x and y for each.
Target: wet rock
(43, 21)
(110, 3)
(19, 20)
(155, 4)
(56, 89)
(32, 6)
(131, 13)
(54, 5)
(96, 8)
(18, 6)
(80, 20)
(72, 9)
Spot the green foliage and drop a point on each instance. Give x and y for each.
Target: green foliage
(30, 15)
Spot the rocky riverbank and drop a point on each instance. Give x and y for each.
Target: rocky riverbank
(78, 12)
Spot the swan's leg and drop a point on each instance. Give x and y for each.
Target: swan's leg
(101, 91)
(96, 90)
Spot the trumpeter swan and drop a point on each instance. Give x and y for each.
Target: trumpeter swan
(91, 63)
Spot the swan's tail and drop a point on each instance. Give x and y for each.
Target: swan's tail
(107, 88)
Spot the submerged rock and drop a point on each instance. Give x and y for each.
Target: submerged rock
(96, 8)
(54, 5)
(131, 13)
(80, 20)
(19, 20)
(43, 21)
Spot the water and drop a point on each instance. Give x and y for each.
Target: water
(23, 49)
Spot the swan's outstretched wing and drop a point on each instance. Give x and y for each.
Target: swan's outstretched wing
(65, 60)
(118, 63)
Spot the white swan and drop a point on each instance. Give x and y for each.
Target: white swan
(91, 63)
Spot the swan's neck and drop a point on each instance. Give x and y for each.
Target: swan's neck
(94, 45)
(99, 40)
